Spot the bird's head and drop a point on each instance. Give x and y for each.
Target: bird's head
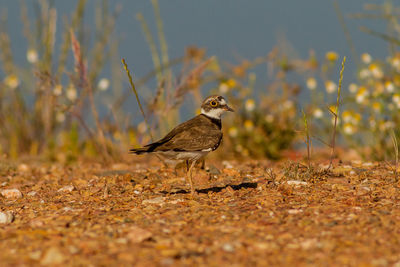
(213, 106)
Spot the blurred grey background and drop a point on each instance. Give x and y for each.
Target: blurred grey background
(229, 29)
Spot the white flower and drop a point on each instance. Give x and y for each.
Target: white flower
(32, 56)
(103, 84)
(330, 87)
(353, 88)
(360, 98)
(311, 83)
(223, 88)
(318, 113)
(365, 73)
(72, 94)
(250, 105)
(376, 71)
(389, 87)
(366, 58)
(348, 129)
(57, 90)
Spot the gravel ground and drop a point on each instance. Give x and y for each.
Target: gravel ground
(252, 213)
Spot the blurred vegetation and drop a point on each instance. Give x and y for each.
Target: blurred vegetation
(51, 106)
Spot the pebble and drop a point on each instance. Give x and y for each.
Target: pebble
(52, 256)
(295, 182)
(228, 247)
(227, 164)
(156, 200)
(6, 217)
(32, 193)
(138, 235)
(294, 211)
(11, 193)
(67, 188)
(23, 167)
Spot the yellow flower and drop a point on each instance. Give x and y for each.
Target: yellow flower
(333, 108)
(250, 105)
(311, 83)
(346, 115)
(356, 118)
(12, 81)
(366, 58)
(376, 71)
(389, 86)
(362, 94)
(349, 129)
(376, 106)
(331, 56)
(248, 125)
(330, 87)
(231, 83)
(233, 132)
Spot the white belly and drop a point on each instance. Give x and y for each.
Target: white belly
(173, 155)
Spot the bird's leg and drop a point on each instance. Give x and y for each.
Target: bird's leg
(189, 174)
(187, 165)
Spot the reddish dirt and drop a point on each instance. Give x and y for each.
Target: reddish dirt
(253, 213)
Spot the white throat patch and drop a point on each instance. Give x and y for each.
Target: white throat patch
(213, 113)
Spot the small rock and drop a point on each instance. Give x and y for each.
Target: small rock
(295, 182)
(157, 200)
(228, 247)
(53, 256)
(227, 164)
(138, 235)
(294, 211)
(214, 170)
(35, 255)
(32, 193)
(11, 193)
(23, 167)
(6, 217)
(67, 188)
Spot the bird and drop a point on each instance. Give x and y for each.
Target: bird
(192, 139)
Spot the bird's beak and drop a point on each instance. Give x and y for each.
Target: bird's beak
(228, 108)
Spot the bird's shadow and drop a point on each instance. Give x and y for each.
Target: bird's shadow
(214, 189)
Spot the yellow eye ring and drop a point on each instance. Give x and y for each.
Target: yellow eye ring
(213, 103)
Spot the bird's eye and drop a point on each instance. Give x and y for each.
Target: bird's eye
(213, 103)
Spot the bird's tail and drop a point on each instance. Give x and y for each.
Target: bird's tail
(139, 151)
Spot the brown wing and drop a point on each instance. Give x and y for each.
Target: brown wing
(192, 135)
(196, 138)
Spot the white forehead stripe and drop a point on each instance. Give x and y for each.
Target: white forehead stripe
(222, 102)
